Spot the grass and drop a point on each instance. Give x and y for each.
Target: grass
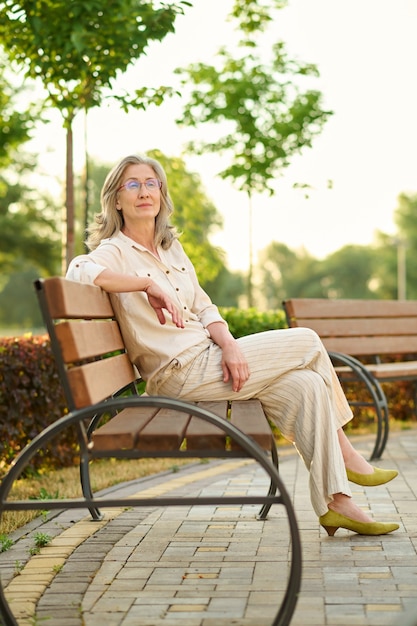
(65, 483)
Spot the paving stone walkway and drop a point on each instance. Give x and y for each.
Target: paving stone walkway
(218, 565)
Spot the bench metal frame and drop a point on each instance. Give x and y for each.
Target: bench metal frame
(249, 449)
(378, 399)
(85, 419)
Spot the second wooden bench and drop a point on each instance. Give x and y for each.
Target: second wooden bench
(374, 341)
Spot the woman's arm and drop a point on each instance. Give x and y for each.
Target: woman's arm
(113, 282)
(234, 364)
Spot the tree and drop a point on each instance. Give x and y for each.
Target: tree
(396, 272)
(19, 308)
(29, 248)
(15, 122)
(27, 221)
(227, 289)
(406, 243)
(285, 273)
(263, 115)
(349, 272)
(87, 192)
(77, 48)
(27, 230)
(29, 242)
(346, 273)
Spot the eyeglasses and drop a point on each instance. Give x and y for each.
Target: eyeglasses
(152, 184)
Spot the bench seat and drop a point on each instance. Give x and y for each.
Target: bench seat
(153, 431)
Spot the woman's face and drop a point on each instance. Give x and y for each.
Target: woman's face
(139, 195)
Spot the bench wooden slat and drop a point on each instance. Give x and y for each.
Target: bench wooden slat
(393, 371)
(93, 382)
(166, 431)
(202, 435)
(363, 346)
(382, 371)
(122, 430)
(364, 326)
(248, 415)
(66, 300)
(311, 308)
(86, 339)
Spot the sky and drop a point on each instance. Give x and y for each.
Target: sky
(366, 53)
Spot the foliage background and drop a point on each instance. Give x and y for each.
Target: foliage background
(31, 396)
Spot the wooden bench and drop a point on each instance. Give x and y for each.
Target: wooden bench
(113, 420)
(374, 341)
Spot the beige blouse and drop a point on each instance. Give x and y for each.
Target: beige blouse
(151, 345)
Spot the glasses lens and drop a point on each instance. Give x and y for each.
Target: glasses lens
(152, 184)
(132, 185)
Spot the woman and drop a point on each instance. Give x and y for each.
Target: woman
(182, 347)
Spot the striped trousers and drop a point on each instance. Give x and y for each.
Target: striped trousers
(293, 377)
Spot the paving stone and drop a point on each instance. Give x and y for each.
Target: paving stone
(218, 566)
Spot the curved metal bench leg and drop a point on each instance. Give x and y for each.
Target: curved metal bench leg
(251, 448)
(379, 401)
(263, 513)
(384, 432)
(85, 479)
(381, 408)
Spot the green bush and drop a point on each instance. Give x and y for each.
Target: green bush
(249, 321)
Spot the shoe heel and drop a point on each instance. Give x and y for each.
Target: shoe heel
(330, 530)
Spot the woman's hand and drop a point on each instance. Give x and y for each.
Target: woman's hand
(234, 364)
(159, 301)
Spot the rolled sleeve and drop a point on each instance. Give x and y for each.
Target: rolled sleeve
(210, 315)
(84, 270)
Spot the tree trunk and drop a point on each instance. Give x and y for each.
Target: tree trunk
(86, 179)
(68, 248)
(250, 269)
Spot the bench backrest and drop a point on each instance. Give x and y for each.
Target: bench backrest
(358, 327)
(85, 339)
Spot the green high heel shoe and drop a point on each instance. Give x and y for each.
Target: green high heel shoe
(331, 521)
(379, 477)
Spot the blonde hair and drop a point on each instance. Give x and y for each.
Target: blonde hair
(110, 221)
